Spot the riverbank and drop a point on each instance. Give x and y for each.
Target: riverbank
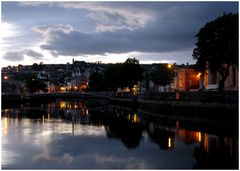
(219, 104)
(197, 106)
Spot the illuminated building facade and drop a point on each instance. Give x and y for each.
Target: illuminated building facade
(186, 79)
(210, 80)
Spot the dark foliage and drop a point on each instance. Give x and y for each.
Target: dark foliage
(123, 75)
(34, 84)
(217, 46)
(96, 82)
(162, 75)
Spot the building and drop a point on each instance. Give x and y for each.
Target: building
(210, 80)
(10, 86)
(186, 78)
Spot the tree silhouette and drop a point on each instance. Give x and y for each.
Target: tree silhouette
(131, 73)
(162, 75)
(217, 46)
(111, 76)
(35, 84)
(96, 82)
(125, 74)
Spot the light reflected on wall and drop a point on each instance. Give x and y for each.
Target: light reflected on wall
(43, 119)
(169, 142)
(199, 137)
(62, 104)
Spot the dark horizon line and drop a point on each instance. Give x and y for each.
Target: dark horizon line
(187, 63)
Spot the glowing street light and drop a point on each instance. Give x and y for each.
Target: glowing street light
(199, 74)
(169, 142)
(75, 88)
(5, 77)
(169, 66)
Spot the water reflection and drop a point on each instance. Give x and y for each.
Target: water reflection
(65, 133)
(164, 137)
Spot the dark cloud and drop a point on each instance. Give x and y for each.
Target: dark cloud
(165, 29)
(14, 56)
(155, 38)
(171, 27)
(33, 54)
(19, 55)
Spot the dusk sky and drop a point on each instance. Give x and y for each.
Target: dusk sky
(57, 32)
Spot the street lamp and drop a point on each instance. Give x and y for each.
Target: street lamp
(199, 74)
(5, 77)
(169, 66)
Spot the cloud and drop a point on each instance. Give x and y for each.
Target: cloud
(46, 157)
(46, 30)
(166, 28)
(14, 56)
(8, 30)
(120, 162)
(33, 54)
(111, 20)
(125, 27)
(153, 39)
(108, 16)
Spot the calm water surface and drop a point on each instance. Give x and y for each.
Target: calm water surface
(75, 135)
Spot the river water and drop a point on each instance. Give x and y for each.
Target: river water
(72, 134)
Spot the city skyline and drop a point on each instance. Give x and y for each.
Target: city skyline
(57, 32)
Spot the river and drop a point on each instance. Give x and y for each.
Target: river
(74, 134)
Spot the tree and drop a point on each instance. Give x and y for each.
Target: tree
(111, 76)
(162, 75)
(125, 74)
(34, 84)
(217, 46)
(96, 82)
(131, 73)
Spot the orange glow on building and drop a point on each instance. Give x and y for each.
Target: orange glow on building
(62, 88)
(62, 104)
(186, 79)
(199, 74)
